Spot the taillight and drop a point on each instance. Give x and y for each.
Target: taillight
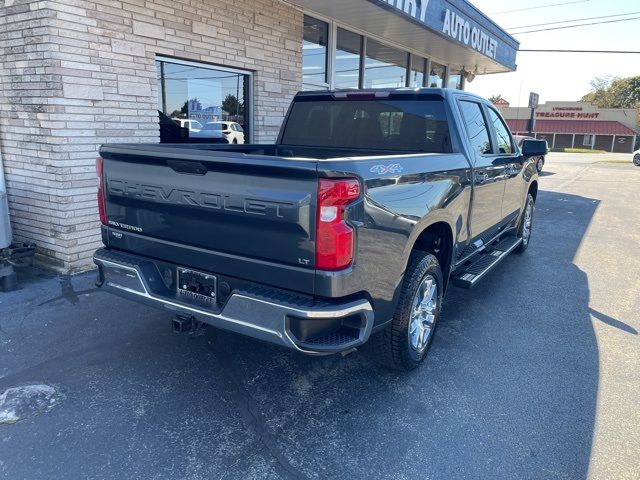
(334, 237)
(102, 208)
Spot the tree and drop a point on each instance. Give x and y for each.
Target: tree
(232, 106)
(182, 113)
(610, 92)
(495, 98)
(599, 90)
(615, 92)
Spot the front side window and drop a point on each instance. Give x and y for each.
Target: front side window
(314, 53)
(347, 61)
(394, 125)
(384, 67)
(503, 137)
(476, 127)
(193, 100)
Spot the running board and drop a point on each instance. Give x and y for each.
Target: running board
(474, 272)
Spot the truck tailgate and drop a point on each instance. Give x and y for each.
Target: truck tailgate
(251, 206)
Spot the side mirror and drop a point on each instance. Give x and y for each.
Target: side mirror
(534, 148)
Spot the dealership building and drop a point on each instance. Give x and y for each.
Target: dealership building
(577, 125)
(75, 74)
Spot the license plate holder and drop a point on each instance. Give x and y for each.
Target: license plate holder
(197, 285)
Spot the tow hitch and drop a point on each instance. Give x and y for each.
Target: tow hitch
(186, 324)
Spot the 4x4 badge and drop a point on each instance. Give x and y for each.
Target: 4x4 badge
(383, 169)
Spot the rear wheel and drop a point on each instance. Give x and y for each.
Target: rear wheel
(636, 160)
(403, 345)
(526, 224)
(235, 141)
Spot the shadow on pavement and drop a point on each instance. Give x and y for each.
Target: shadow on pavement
(508, 391)
(613, 322)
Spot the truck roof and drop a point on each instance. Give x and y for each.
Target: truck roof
(369, 93)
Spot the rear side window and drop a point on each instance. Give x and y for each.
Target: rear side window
(397, 125)
(476, 127)
(503, 137)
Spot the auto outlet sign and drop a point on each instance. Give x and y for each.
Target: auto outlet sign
(460, 22)
(460, 29)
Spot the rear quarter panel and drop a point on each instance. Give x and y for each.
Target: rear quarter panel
(403, 195)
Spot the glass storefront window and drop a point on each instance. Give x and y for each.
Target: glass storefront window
(347, 61)
(418, 68)
(436, 75)
(314, 53)
(199, 103)
(455, 81)
(384, 67)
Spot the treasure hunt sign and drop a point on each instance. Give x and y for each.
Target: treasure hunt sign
(568, 113)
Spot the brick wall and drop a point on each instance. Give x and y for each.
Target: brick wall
(75, 74)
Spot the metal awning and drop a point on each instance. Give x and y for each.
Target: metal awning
(452, 32)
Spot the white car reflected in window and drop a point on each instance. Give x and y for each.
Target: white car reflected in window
(231, 131)
(192, 125)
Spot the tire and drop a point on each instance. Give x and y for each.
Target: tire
(235, 141)
(540, 164)
(636, 160)
(397, 347)
(526, 224)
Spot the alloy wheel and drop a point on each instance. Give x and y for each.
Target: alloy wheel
(423, 314)
(526, 225)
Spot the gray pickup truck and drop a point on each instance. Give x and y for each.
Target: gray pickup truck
(349, 228)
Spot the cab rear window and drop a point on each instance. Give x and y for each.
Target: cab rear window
(396, 125)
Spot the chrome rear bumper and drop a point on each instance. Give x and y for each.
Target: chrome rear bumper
(247, 313)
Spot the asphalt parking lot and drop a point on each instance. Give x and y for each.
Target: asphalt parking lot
(534, 374)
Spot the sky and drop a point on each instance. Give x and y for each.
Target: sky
(561, 76)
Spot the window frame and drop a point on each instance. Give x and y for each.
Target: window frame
(494, 136)
(425, 69)
(365, 57)
(450, 75)
(328, 65)
(212, 66)
(481, 105)
(362, 55)
(333, 31)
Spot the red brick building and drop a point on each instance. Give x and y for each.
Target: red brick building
(578, 125)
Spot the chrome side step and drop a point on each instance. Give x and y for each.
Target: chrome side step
(470, 275)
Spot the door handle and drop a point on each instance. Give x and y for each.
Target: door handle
(481, 177)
